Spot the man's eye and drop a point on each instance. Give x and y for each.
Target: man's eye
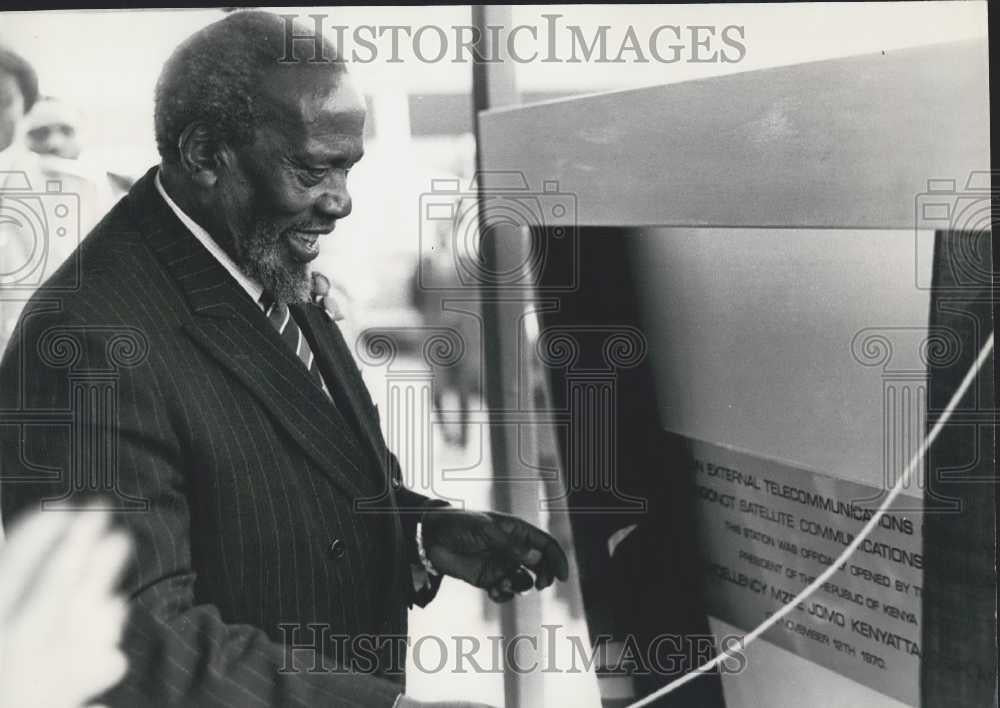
(312, 176)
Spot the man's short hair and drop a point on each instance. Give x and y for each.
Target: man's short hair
(214, 77)
(23, 73)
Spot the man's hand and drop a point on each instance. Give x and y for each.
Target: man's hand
(60, 619)
(492, 551)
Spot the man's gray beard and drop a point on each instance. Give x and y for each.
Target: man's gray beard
(259, 255)
(258, 251)
(257, 247)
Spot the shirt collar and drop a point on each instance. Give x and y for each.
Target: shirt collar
(252, 287)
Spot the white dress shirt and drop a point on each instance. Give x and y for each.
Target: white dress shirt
(253, 288)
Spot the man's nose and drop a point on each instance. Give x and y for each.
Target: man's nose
(335, 202)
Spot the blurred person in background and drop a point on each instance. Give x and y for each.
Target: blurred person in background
(19, 173)
(53, 128)
(61, 618)
(36, 237)
(18, 93)
(435, 281)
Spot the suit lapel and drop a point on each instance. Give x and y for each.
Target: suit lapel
(340, 373)
(233, 329)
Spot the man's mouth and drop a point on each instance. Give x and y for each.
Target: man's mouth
(304, 245)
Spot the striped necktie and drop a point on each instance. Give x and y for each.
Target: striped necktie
(281, 317)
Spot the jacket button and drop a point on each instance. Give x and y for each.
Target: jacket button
(396, 484)
(337, 548)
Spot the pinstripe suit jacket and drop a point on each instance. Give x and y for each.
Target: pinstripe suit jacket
(160, 383)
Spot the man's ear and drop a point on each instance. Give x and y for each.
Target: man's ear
(202, 155)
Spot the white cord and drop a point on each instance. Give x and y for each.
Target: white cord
(851, 547)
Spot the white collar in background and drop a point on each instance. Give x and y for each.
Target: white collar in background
(253, 288)
(6, 160)
(16, 158)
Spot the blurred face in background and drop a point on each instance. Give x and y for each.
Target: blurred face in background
(52, 128)
(11, 108)
(288, 188)
(56, 139)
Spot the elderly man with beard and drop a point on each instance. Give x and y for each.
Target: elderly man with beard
(234, 438)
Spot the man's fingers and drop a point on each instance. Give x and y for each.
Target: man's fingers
(537, 549)
(521, 580)
(534, 559)
(504, 544)
(515, 581)
(531, 557)
(543, 580)
(498, 595)
(498, 547)
(555, 558)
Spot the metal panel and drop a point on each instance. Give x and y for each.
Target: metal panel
(790, 344)
(841, 143)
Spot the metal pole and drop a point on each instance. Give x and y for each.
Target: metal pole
(494, 85)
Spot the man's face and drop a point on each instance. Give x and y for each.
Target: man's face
(11, 108)
(289, 187)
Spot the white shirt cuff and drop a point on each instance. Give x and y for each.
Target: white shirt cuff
(424, 560)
